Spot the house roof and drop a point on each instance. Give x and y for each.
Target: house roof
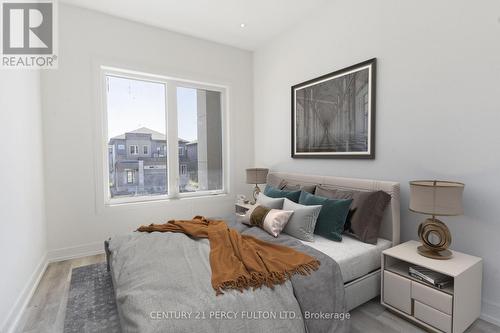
(144, 130)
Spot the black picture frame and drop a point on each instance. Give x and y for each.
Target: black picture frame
(363, 117)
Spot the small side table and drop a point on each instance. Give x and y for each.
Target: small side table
(241, 208)
(451, 309)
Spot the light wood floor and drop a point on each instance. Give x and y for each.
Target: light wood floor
(46, 310)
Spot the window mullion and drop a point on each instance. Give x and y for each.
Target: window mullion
(172, 140)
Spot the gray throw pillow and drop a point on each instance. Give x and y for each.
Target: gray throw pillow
(273, 203)
(302, 222)
(366, 212)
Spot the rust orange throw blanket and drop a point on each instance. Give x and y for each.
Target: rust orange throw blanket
(241, 261)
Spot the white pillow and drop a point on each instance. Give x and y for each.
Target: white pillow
(264, 200)
(271, 220)
(303, 221)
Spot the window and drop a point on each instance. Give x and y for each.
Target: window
(138, 119)
(199, 116)
(134, 149)
(183, 169)
(130, 176)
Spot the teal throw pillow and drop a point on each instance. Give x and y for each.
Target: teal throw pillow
(332, 217)
(273, 192)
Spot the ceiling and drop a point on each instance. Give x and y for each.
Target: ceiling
(215, 20)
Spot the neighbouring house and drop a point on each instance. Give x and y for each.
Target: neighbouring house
(137, 163)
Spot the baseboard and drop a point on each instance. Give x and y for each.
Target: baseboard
(490, 312)
(22, 301)
(76, 252)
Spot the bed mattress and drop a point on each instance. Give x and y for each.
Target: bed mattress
(354, 257)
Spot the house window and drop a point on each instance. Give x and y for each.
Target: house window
(134, 149)
(130, 176)
(121, 147)
(136, 110)
(184, 169)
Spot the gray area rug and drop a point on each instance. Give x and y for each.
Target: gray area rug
(91, 301)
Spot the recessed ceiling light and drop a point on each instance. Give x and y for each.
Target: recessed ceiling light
(243, 25)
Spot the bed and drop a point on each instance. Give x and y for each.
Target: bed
(162, 280)
(358, 288)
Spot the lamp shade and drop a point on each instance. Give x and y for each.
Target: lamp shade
(436, 197)
(257, 175)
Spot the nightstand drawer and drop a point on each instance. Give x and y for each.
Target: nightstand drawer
(433, 317)
(397, 291)
(432, 297)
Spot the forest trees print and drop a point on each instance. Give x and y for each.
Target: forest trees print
(333, 116)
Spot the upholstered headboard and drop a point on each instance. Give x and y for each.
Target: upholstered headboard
(390, 222)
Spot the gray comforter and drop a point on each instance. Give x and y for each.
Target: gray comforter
(162, 284)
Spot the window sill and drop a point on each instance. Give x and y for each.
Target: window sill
(160, 199)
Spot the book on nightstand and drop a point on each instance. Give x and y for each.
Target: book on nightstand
(429, 276)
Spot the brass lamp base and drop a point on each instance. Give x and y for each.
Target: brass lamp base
(256, 191)
(430, 247)
(446, 254)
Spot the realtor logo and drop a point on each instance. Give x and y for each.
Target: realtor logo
(28, 32)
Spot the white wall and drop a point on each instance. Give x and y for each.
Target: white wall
(438, 105)
(22, 208)
(88, 39)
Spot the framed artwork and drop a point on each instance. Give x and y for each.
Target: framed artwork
(333, 116)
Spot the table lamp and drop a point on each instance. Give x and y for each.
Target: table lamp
(435, 198)
(256, 176)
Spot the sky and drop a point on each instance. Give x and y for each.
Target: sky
(133, 104)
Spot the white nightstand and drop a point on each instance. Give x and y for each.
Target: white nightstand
(451, 309)
(241, 208)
